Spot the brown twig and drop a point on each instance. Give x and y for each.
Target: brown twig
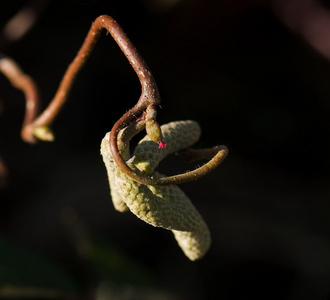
(27, 85)
(149, 89)
(149, 95)
(218, 154)
(147, 102)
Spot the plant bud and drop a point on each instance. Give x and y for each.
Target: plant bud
(43, 133)
(153, 131)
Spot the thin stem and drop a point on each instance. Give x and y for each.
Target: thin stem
(190, 155)
(149, 88)
(129, 132)
(149, 98)
(219, 153)
(27, 85)
(219, 157)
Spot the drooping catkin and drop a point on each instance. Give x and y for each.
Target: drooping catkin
(162, 206)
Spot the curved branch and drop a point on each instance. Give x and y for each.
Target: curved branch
(27, 85)
(149, 93)
(219, 153)
(149, 98)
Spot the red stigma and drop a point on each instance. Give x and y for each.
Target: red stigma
(161, 145)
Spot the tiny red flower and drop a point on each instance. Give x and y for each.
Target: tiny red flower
(161, 145)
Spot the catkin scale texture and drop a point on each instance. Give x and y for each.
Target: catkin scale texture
(162, 206)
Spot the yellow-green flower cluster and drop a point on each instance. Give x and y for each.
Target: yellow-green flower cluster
(161, 206)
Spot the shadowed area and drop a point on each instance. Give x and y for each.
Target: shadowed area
(253, 74)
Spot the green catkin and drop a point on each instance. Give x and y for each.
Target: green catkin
(161, 206)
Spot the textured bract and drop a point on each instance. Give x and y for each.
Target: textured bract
(161, 206)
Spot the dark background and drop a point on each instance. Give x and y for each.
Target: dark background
(252, 84)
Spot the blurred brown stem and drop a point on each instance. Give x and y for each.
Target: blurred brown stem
(22, 21)
(27, 85)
